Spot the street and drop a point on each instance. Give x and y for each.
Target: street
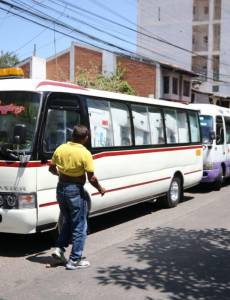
(141, 252)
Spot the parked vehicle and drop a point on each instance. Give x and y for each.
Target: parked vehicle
(215, 128)
(143, 148)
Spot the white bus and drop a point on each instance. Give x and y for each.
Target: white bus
(142, 148)
(215, 127)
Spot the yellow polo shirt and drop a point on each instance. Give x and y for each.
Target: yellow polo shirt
(73, 159)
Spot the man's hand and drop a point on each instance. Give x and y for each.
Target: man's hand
(53, 170)
(102, 191)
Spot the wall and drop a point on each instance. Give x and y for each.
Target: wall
(141, 76)
(58, 68)
(163, 19)
(88, 60)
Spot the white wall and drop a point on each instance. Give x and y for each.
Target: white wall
(38, 68)
(170, 20)
(225, 48)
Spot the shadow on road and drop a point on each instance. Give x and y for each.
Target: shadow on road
(204, 188)
(188, 264)
(14, 245)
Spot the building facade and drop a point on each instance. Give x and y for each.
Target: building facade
(200, 30)
(148, 78)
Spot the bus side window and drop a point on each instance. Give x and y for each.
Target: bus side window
(194, 127)
(100, 123)
(156, 125)
(183, 130)
(171, 126)
(219, 131)
(141, 124)
(121, 124)
(227, 125)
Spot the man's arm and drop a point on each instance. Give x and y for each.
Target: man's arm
(53, 169)
(94, 181)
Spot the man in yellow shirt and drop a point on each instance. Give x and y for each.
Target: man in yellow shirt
(72, 162)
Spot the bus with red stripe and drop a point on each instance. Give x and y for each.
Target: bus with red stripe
(143, 149)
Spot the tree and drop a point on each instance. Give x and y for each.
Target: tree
(8, 60)
(113, 82)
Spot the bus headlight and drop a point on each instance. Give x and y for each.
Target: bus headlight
(208, 166)
(11, 201)
(26, 201)
(17, 201)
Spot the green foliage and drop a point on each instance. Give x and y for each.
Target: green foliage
(112, 82)
(8, 60)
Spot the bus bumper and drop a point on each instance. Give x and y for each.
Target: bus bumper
(21, 221)
(210, 175)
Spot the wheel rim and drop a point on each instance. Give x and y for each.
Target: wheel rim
(174, 191)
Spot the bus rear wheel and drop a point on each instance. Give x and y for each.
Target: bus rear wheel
(174, 193)
(220, 180)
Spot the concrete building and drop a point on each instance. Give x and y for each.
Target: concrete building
(200, 30)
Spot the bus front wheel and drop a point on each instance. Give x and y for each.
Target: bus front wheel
(174, 193)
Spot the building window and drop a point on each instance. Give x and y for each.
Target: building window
(166, 84)
(215, 88)
(186, 88)
(206, 10)
(205, 39)
(194, 10)
(175, 86)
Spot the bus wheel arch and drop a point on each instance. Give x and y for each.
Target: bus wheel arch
(175, 193)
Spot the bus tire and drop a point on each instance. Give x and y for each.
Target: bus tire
(220, 179)
(174, 193)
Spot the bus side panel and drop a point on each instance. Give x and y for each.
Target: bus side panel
(18, 180)
(128, 178)
(48, 209)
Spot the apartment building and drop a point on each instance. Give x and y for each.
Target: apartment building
(200, 29)
(211, 47)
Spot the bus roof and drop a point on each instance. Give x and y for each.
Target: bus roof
(211, 109)
(34, 85)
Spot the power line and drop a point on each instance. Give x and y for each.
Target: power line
(61, 24)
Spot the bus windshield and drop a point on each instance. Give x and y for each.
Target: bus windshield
(206, 123)
(18, 116)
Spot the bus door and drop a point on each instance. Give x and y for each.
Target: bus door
(221, 148)
(62, 111)
(227, 131)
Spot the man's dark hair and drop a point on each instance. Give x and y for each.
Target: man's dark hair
(79, 132)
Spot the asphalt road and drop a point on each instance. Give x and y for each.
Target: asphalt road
(137, 253)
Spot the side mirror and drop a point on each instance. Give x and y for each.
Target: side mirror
(19, 134)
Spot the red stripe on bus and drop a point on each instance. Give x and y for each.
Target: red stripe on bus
(48, 204)
(32, 164)
(132, 185)
(60, 84)
(142, 151)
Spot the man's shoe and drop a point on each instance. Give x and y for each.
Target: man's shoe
(78, 264)
(58, 254)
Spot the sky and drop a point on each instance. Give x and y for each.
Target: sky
(19, 36)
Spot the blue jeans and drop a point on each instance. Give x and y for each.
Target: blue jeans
(73, 205)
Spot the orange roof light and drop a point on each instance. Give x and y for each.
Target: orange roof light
(11, 73)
